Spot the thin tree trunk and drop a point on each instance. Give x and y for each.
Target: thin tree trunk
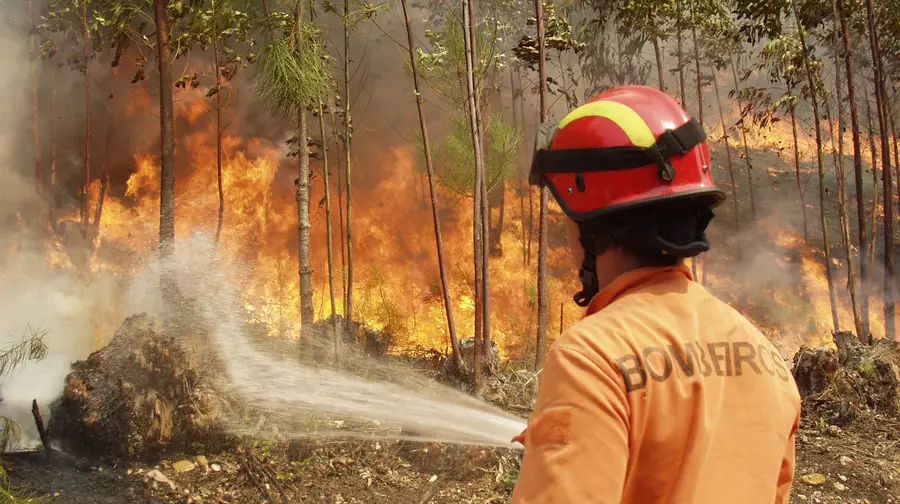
(892, 121)
(107, 143)
(814, 101)
(697, 64)
(858, 169)
(725, 138)
(542, 294)
(800, 191)
(307, 313)
(445, 283)
(697, 259)
(680, 55)
(870, 126)
(522, 186)
(497, 240)
(530, 221)
(562, 327)
(221, 216)
(840, 172)
(167, 133)
(485, 205)
(660, 71)
(307, 309)
(328, 236)
(348, 132)
(737, 92)
(340, 194)
(478, 222)
(880, 105)
(86, 179)
(527, 186)
(36, 127)
(51, 199)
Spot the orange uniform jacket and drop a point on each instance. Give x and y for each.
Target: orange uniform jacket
(661, 394)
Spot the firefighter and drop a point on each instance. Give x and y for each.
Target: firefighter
(662, 393)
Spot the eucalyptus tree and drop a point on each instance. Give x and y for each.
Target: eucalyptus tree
(293, 77)
(219, 26)
(426, 147)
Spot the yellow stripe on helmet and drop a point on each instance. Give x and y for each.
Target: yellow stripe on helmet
(624, 116)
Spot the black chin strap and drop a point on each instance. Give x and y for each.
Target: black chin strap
(590, 286)
(682, 235)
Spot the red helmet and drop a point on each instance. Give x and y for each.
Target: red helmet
(626, 147)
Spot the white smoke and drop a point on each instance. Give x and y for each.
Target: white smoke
(64, 304)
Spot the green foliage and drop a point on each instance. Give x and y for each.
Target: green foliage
(10, 434)
(650, 17)
(764, 19)
(207, 25)
(613, 55)
(444, 66)
(358, 12)
(65, 19)
(31, 348)
(293, 68)
(508, 480)
(557, 37)
(718, 29)
(454, 156)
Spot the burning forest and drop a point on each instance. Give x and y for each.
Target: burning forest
(227, 224)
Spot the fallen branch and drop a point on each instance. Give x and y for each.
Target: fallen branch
(39, 423)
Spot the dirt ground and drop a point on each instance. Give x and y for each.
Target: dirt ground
(860, 464)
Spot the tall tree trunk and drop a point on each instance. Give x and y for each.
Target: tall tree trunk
(307, 309)
(329, 237)
(870, 130)
(86, 179)
(497, 239)
(800, 191)
(725, 138)
(221, 216)
(36, 129)
(480, 109)
(820, 159)
(439, 243)
(696, 259)
(837, 130)
(542, 294)
(51, 199)
(527, 186)
(167, 133)
(680, 55)
(894, 141)
(737, 93)
(858, 169)
(478, 222)
(348, 134)
(307, 312)
(697, 63)
(880, 105)
(340, 193)
(522, 186)
(660, 71)
(107, 143)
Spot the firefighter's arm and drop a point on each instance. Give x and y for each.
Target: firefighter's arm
(788, 463)
(576, 444)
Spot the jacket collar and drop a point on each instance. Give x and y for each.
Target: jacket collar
(633, 280)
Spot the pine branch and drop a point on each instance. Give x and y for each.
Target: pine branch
(31, 348)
